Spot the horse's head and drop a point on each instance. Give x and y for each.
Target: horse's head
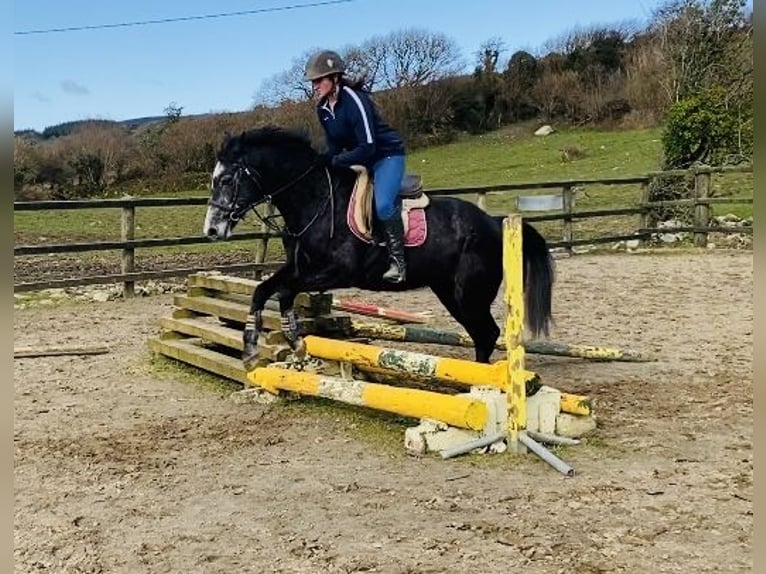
(252, 168)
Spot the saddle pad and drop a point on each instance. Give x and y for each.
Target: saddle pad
(359, 215)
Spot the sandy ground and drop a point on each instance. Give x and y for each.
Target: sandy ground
(124, 464)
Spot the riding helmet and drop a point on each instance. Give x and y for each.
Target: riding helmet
(324, 63)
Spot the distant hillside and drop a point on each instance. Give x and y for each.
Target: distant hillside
(66, 128)
(138, 122)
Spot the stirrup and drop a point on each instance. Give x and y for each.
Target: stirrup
(395, 274)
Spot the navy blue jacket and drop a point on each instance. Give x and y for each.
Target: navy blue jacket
(356, 134)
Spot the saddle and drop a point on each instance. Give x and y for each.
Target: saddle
(361, 211)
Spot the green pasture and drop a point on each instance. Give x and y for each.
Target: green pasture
(510, 155)
(514, 155)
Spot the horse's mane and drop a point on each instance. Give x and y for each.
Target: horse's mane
(271, 136)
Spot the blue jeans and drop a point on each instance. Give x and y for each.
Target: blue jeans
(388, 174)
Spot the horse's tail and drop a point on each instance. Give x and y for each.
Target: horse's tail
(538, 279)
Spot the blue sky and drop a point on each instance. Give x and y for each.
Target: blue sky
(217, 65)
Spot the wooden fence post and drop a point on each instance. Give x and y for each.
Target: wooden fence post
(647, 217)
(262, 244)
(702, 185)
(567, 197)
(128, 233)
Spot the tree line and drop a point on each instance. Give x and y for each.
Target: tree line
(688, 69)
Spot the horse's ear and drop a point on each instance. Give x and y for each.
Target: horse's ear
(235, 144)
(231, 143)
(224, 143)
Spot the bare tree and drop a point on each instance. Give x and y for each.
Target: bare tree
(488, 56)
(558, 94)
(410, 57)
(287, 86)
(112, 144)
(581, 38)
(703, 43)
(173, 111)
(365, 63)
(645, 78)
(415, 57)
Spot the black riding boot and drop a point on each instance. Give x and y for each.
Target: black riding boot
(394, 228)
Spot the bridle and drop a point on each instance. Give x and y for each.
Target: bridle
(236, 213)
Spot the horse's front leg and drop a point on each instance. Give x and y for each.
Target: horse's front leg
(323, 280)
(288, 317)
(254, 323)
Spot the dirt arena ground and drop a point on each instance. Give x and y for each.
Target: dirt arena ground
(126, 464)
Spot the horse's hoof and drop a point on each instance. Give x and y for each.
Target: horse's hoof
(251, 362)
(299, 349)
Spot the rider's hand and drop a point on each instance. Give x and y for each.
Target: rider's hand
(324, 159)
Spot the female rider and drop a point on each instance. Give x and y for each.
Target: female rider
(357, 135)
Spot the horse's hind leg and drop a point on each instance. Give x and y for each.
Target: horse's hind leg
(482, 328)
(472, 309)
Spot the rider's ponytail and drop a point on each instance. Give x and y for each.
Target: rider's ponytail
(354, 83)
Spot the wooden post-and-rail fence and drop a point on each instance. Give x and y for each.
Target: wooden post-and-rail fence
(562, 209)
(127, 244)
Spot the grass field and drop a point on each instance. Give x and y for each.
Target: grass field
(510, 155)
(514, 155)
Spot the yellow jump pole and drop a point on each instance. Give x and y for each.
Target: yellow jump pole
(514, 324)
(576, 404)
(374, 359)
(462, 412)
(419, 364)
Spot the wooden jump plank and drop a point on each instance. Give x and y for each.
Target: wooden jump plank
(235, 313)
(228, 310)
(305, 303)
(186, 351)
(195, 291)
(223, 283)
(213, 306)
(215, 333)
